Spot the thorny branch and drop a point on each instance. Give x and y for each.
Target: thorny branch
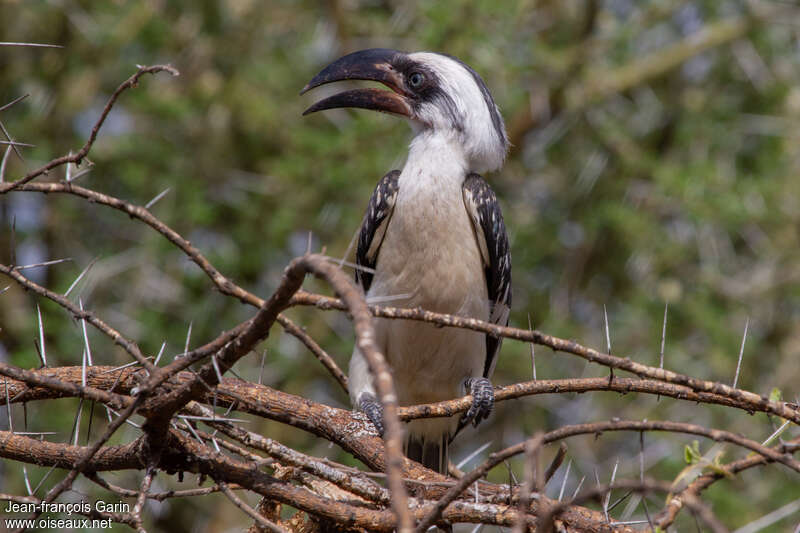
(340, 428)
(84, 150)
(692, 388)
(170, 399)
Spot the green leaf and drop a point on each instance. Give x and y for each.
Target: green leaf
(775, 395)
(691, 454)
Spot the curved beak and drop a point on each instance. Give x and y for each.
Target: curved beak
(372, 65)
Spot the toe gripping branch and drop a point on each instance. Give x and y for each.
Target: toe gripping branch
(481, 390)
(373, 409)
(482, 393)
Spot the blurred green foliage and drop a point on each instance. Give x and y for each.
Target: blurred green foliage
(682, 189)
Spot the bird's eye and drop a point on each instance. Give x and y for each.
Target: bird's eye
(415, 80)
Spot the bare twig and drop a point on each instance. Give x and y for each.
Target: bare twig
(533, 481)
(150, 473)
(557, 461)
(14, 102)
(252, 513)
(84, 151)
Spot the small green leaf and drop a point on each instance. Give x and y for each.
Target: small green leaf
(691, 454)
(775, 395)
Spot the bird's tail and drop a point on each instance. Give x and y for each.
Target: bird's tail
(431, 452)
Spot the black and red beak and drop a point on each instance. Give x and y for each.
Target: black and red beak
(374, 64)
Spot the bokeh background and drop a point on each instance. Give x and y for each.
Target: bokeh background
(655, 161)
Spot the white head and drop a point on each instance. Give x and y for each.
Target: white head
(435, 92)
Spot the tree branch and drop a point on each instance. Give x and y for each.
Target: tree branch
(84, 151)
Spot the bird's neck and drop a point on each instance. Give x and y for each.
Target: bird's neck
(435, 158)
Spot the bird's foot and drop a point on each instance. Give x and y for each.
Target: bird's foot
(373, 409)
(482, 393)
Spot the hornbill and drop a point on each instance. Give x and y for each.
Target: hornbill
(433, 237)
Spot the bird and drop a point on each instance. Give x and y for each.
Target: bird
(433, 237)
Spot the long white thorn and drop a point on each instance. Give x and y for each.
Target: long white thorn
(388, 298)
(44, 478)
(578, 488)
(261, 371)
(80, 276)
(188, 338)
(41, 336)
(160, 353)
(741, 353)
(129, 422)
(27, 481)
(474, 454)
(608, 494)
(126, 365)
(77, 423)
(564, 481)
(68, 172)
(663, 337)
(776, 433)
(3, 163)
(216, 368)
(158, 197)
(85, 337)
(12, 143)
(43, 264)
(83, 172)
(770, 518)
(83, 369)
(15, 143)
(35, 45)
(193, 432)
(213, 418)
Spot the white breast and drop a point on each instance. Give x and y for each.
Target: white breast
(430, 252)
(431, 256)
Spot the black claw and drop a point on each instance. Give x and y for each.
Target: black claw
(482, 400)
(373, 409)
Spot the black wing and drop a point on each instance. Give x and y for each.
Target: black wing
(373, 228)
(490, 232)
